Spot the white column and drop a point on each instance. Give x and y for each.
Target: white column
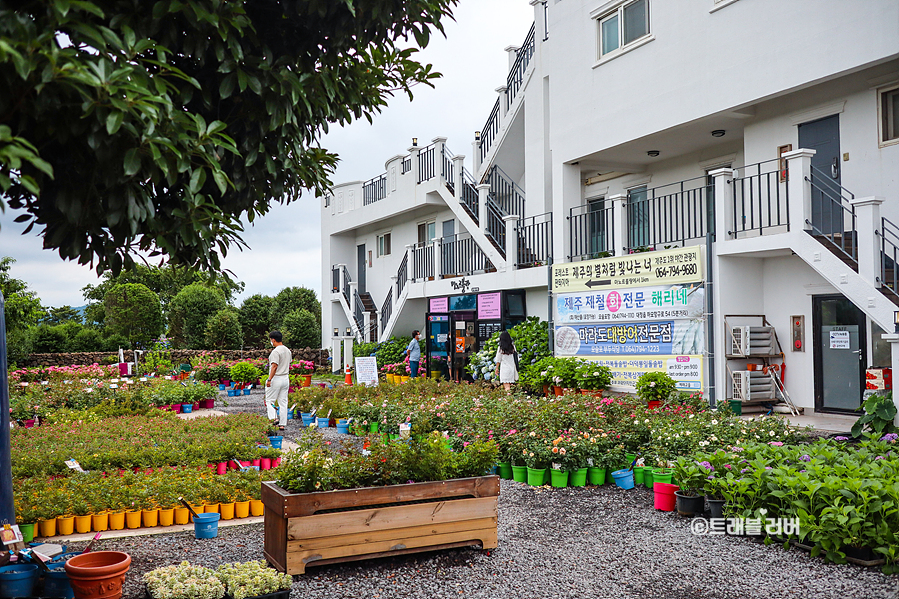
(336, 362)
(799, 165)
(483, 188)
(437, 248)
(458, 175)
(512, 52)
(366, 326)
(413, 156)
(341, 268)
(439, 146)
(724, 203)
(893, 339)
(868, 223)
(476, 155)
(348, 352)
(503, 104)
(619, 223)
(410, 256)
(511, 222)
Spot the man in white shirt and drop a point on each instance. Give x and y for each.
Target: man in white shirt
(278, 380)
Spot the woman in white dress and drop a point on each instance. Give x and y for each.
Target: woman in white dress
(505, 361)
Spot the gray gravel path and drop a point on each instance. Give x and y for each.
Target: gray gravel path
(591, 542)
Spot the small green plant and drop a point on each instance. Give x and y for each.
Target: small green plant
(880, 413)
(653, 386)
(245, 372)
(591, 375)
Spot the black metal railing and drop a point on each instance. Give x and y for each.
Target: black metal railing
(469, 198)
(590, 231)
(504, 192)
(833, 216)
(346, 285)
(407, 165)
(335, 279)
(496, 226)
(489, 131)
(516, 75)
(461, 255)
(426, 164)
(374, 190)
(761, 199)
(386, 310)
(423, 261)
(535, 240)
(402, 275)
(667, 215)
(889, 256)
(358, 310)
(447, 169)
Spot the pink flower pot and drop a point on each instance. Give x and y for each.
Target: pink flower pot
(221, 467)
(265, 464)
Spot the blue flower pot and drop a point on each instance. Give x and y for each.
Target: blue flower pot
(307, 420)
(17, 580)
(231, 392)
(343, 429)
(246, 391)
(56, 582)
(206, 526)
(221, 387)
(323, 422)
(624, 478)
(187, 408)
(276, 441)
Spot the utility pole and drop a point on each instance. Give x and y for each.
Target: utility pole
(7, 507)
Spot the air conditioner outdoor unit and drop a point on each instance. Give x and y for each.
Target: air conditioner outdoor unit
(753, 341)
(753, 385)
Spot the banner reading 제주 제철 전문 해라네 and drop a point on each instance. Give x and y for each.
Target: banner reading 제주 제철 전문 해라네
(637, 313)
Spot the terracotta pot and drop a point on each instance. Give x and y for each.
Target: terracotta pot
(227, 510)
(83, 524)
(150, 517)
(557, 390)
(100, 522)
(132, 519)
(182, 516)
(307, 380)
(257, 508)
(117, 521)
(98, 574)
(166, 517)
(65, 524)
(241, 509)
(592, 392)
(48, 528)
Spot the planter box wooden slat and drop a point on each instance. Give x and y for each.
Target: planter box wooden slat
(377, 521)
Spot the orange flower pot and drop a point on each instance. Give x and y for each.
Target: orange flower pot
(98, 574)
(100, 522)
(227, 510)
(182, 516)
(241, 509)
(132, 519)
(65, 525)
(257, 508)
(48, 527)
(117, 521)
(307, 380)
(150, 517)
(83, 524)
(166, 517)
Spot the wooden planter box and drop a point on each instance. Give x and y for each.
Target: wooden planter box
(310, 529)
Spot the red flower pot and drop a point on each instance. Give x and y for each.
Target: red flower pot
(664, 496)
(221, 467)
(265, 464)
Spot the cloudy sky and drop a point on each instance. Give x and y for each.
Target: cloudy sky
(286, 243)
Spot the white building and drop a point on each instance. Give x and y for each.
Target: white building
(768, 131)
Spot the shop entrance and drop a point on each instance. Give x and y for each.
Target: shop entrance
(840, 356)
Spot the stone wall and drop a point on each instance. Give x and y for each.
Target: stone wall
(318, 356)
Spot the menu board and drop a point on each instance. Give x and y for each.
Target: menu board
(490, 305)
(487, 329)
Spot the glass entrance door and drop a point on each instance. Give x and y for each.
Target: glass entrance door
(840, 354)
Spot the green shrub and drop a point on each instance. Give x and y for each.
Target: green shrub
(652, 386)
(223, 330)
(47, 340)
(245, 372)
(301, 330)
(189, 312)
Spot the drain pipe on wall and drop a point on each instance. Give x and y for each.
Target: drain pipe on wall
(549, 303)
(710, 312)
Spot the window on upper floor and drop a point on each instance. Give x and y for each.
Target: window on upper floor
(889, 115)
(384, 245)
(623, 26)
(427, 232)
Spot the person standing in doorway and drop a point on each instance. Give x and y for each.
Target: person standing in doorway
(414, 353)
(278, 380)
(506, 358)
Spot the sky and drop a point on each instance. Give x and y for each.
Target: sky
(285, 245)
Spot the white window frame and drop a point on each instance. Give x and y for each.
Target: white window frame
(881, 92)
(379, 239)
(617, 10)
(431, 221)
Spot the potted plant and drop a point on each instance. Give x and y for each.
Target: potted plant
(691, 476)
(244, 373)
(655, 388)
(196, 581)
(592, 377)
(252, 579)
(564, 376)
(303, 368)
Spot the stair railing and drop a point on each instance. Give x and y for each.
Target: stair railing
(426, 166)
(889, 256)
(469, 199)
(386, 310)
(402, 275)
(833, 217)
(761, 199)
(461, 255)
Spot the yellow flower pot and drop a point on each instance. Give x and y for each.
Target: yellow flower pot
(257, 508)
(241, 509)
(117, 521)
(48, 527)
(212, 508)
(65, 524)
(150, 517)
(166, 517)
(198, 509)
(406, 379)
(100, 522)
(227, 510)
(182, 516)
(132, 519)
(390, 378)
(83, 523)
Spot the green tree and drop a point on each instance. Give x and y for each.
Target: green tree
(62, 315)
(46, 339)
(134, 312)
(87, 340)
(301, 330)
(22, 309)
(223, 330)
(255, 319)
(291, 299)
(161, 125)
(190, 311)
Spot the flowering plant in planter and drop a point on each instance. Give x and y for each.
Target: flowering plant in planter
(245, 372)
(691, 475)
(251, 579)
(653, 386)
(302, 367)
(593, 376)
(184, 581)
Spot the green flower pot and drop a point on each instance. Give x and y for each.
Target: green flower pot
(536, 476)
(505, 470)
(630, 457)
(520, 474)
(596, 476)
(373, 427)
(27, 532)
(647, 477)
(661, 475)
(578, 478)
(559, 478)
(638, 475)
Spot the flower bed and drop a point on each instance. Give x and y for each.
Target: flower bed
(138, 441)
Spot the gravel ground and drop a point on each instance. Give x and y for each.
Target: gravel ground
(553, 543)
